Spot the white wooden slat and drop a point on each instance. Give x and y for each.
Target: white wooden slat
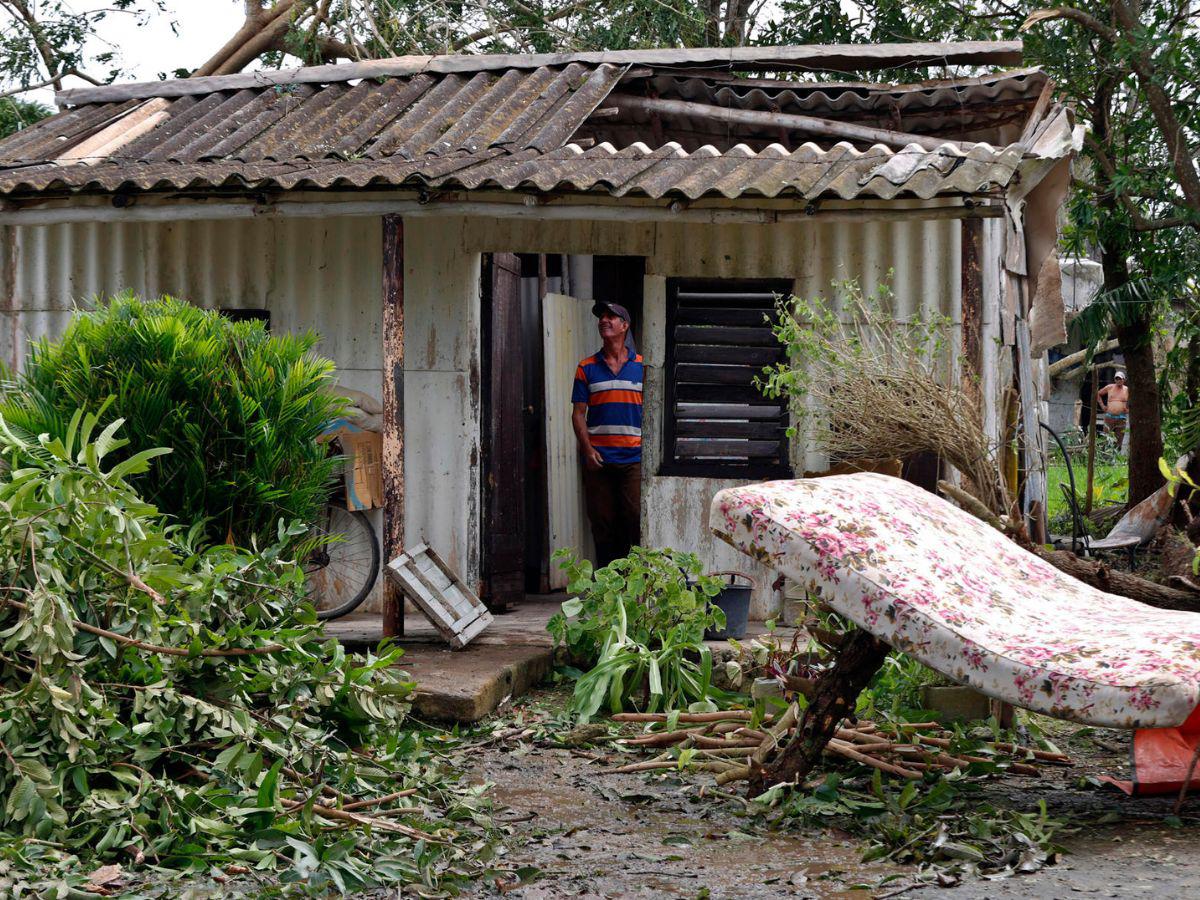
(440, 583)
(426, 602)
(455, 611)
(568, 335)
(457, 592)
(433, 579)
(429, 568)
(474, 629)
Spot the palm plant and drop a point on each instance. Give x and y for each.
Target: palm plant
(241, 408)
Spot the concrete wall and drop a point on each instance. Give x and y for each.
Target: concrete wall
(325, 275)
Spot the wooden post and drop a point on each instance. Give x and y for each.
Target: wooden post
(1093, 403)
(834, 696)
(972, 303)
(393, 417)
(1035, 464)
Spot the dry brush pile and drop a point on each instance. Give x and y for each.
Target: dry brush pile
(864, 385)
(733, 744)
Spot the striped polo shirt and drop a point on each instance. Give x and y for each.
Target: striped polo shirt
(614, 416)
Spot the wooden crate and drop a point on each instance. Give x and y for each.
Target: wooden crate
(440, 594)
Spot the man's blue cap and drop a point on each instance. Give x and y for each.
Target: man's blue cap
(600, 307)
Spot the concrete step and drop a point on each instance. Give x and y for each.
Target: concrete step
(466, 685)
(505, 661)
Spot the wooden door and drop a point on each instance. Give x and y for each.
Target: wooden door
(503, 436)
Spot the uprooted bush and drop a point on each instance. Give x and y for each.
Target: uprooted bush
(179, 707)
(241, 408)
(638, 624)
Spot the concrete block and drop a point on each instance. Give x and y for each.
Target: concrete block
(955, 703)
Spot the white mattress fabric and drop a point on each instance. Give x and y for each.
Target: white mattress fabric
(936, 583)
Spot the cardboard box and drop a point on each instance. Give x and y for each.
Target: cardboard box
(363, 469)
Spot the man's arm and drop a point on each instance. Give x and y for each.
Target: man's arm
(1102, 396)
(591, 456)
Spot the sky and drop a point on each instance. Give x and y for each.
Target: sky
(146, 51)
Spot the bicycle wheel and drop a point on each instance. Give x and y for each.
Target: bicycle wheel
(342, 571)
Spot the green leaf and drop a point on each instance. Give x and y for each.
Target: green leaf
(21, 799)
(267, 787)
(656, 686)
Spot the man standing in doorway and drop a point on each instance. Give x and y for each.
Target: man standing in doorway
(607, 417)
(1114, 403)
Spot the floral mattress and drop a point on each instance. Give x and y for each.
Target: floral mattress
(936, 583)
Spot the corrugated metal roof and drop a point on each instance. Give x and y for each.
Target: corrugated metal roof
(526, 129)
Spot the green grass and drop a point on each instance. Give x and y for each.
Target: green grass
(1110, 486)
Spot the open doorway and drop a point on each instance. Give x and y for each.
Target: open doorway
(537, 325)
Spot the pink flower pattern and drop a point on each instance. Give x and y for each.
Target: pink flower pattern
(936, 583)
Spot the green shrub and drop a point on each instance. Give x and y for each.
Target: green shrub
(639, 624)
(241, 409)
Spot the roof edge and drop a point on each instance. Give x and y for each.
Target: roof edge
(823, 57)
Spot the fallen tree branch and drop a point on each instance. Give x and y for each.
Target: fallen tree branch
(1071, 360)
(1091, 572)
(157, 648)
(386, 798)
(833, 699)
(1113, 581)
(340, 815)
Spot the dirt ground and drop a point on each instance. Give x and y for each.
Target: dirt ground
(577, 832)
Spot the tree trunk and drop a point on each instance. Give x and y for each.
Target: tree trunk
(1133, 327)
(833, 698)
(1113, 581)
(1145, 425)
(1134, 334)
(262, 26)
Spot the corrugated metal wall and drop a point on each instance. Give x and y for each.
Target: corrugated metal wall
(325, 275)
(569, 336)
(923, 259)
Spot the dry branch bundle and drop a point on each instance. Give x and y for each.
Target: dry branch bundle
(864, 384)
(904, 750)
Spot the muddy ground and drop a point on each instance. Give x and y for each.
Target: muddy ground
(578, 832)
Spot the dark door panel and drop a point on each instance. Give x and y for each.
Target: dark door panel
(503, 432)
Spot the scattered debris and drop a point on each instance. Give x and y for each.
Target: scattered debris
(731, 743)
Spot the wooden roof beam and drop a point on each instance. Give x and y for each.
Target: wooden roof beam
(813, 58)
(814, 125)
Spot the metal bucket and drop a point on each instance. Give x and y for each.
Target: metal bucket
(734, 601)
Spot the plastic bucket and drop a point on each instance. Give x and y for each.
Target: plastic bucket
(734, 601)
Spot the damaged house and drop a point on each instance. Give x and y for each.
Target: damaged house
(446, 222)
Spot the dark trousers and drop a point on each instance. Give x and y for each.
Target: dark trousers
(614, 507)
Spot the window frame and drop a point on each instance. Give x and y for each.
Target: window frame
(670, 464)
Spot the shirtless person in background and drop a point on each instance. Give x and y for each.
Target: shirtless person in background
(1114, 403)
